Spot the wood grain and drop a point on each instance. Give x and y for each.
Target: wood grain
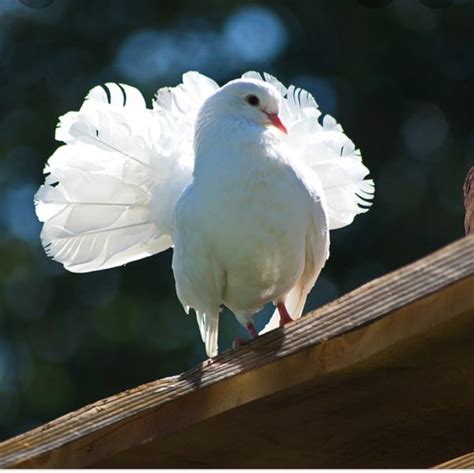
(429, 303)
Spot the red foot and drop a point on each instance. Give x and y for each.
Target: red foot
(252, 330)
(239, 342)
(284, 315)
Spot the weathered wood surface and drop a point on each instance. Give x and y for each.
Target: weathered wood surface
(465, 462)
(381, 377)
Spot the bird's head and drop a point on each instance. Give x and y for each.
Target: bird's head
(248, 99)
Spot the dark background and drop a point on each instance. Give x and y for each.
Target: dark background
(399, 78)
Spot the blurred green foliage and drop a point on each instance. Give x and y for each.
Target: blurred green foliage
(398, 75)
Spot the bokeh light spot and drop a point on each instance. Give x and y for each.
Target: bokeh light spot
(255, 33)
(20, 213)
(401, 186)
(139, 58)
(148, 55)
(425, 131)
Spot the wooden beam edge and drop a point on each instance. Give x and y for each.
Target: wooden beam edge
(463, 462)
(450, 266)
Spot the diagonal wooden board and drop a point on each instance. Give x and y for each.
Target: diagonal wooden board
(422, 310)
(464, 462)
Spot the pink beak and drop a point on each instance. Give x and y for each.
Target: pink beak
(275, 119)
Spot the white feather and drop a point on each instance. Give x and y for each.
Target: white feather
(111, 190)
(327, 150)
(209, 329)
(316, 254)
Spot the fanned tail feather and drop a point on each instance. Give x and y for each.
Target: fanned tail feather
(333, 156)
(111, 190)
(327, 150)
(97, 214)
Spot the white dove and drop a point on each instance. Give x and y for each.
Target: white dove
(243, 181)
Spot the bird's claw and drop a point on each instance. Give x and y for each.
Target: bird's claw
(239, 342)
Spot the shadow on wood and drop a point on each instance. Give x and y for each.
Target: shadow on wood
(382, 377)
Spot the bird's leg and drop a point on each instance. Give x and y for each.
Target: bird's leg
(238, 342)
(252, 330)
(284, 315)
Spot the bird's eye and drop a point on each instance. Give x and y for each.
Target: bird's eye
(252, 100)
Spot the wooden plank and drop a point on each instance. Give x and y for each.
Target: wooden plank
(465, 462)
(329, 345)
(408, 406)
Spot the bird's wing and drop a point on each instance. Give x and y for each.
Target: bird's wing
(110, 191)
(316, 254)
(199, 278)
(326, 149)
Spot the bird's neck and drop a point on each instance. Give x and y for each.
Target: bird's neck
(232, 146)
